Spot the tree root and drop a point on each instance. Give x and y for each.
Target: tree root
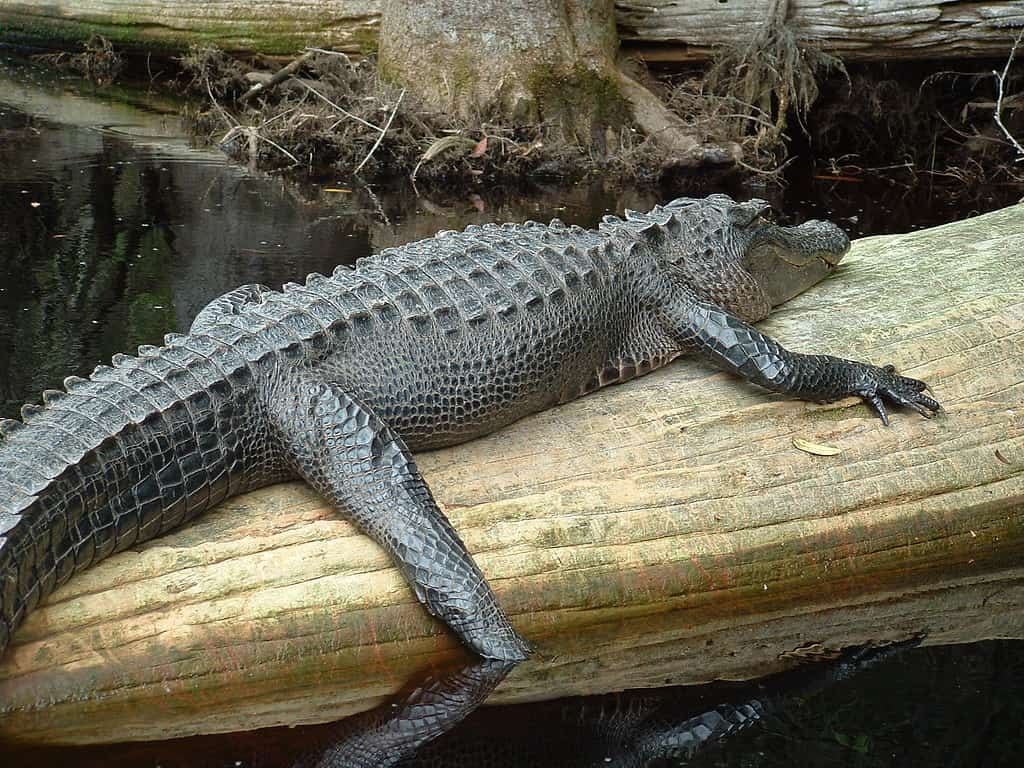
(670, 132)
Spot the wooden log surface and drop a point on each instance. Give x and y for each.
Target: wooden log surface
(665, 531)
(866, 30)
(658, 30)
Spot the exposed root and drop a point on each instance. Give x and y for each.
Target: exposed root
(323, 111)
(770, 77)
(671, 133)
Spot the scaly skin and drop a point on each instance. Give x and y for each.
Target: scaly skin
(431, 344)
(621, 730)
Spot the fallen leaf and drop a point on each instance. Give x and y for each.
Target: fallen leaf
(818, 449)
(480, 148)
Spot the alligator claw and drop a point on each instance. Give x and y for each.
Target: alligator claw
(881, 385)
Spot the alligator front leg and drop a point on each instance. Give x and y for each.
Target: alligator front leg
(730, 343)
(350, 456)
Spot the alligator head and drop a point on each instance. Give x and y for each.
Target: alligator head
(734, 256)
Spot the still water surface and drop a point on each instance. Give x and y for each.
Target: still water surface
(112, 235)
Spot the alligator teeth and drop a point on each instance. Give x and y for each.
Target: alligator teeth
(73, 381)
(52, 395)
(28, 411)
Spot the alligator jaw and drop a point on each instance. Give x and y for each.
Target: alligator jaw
(786, 261)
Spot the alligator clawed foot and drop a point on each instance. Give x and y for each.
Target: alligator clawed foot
(881, 385)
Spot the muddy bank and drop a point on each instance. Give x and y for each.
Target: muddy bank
(952, 125)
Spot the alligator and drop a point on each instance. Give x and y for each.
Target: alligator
(430, 344)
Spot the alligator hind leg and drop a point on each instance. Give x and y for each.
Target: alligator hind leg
(350, 456)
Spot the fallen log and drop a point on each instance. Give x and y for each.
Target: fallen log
(868, 30)
(657, 30)
(666, 531)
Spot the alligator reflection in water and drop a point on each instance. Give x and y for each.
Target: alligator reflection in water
(631, 729)
(387, 734)
(432, 723)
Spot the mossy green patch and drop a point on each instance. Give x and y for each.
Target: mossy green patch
(584, 100)
(367, 40)
(265, 35)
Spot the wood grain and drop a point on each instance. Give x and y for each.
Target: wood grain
(861, 30)
(663, 531)
(657, 30)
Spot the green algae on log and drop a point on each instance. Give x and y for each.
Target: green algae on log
(659, 30)
(264, 26)
(661, 532)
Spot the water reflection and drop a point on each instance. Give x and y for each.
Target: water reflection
(953, 706)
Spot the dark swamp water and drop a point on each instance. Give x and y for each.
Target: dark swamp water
(113, 233)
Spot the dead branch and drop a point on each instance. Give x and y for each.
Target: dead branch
(279, 77)
(1001, 80)
(383, 131)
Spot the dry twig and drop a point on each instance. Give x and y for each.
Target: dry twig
(383, 131)
(1001, 79)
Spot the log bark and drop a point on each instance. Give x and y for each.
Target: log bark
(657, 30)
(666, 531)
(264, 26)
(868, 30)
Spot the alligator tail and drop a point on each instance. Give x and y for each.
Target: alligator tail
(116, 459)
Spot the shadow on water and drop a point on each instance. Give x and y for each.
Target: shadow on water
(112, 235)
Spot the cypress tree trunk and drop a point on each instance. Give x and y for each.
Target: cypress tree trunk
(526, 62)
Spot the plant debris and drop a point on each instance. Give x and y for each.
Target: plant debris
(326, 111)
(816, 449)
(98, 62)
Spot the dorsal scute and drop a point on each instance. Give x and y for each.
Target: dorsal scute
(52, 395)
(9, 426)
(315, 278)
(29, 411)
